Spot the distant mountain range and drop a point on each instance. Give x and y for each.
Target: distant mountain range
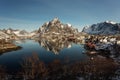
(103, 28)
(16, 34)
(56, 27)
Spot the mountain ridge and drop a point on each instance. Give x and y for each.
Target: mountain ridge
(103, 28)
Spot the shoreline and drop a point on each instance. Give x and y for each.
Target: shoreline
(9, 48)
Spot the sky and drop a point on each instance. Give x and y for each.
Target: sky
(31, 14)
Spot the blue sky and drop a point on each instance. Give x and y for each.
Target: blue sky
(31, 14)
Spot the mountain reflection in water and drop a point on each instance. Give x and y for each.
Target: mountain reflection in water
(53, 46)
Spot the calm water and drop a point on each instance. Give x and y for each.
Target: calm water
(47, 52)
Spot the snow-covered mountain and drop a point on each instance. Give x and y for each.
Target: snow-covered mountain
(104, 28)
(16, 34)
(20, 33)
(56, 26)
(3, 35)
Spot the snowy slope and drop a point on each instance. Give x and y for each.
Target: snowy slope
(21, 33)
(17, 34)
(107, 27)
(3, 35)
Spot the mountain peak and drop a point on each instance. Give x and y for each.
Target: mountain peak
(111, 22)
(57, 26)
(69, 24)
(56, 19)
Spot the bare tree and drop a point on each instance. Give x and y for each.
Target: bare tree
(33, 68)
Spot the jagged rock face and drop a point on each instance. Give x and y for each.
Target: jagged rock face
(104, 28)
(56, 26)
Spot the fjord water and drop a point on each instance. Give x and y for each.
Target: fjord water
(12, 60)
